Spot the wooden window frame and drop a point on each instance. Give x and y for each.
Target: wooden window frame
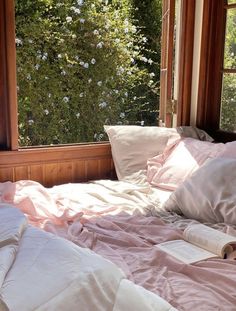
(211, 73)
(182, 104)
(59, 164)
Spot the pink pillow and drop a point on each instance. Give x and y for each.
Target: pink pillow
(169, 169)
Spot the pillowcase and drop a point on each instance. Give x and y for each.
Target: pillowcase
(132, 145)
(178, 161)
(209, 194)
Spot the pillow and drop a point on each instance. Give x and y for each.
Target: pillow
(209, 194)
(132, 145)
(178, 161)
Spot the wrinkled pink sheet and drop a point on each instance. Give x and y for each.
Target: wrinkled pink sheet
(128, 241)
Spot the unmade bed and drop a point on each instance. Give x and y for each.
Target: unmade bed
(123, 220)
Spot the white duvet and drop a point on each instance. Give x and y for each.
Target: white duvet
(40, 271)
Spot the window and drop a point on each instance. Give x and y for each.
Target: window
(228, 97)
(83, 64)
(8, 104)
(217, 91)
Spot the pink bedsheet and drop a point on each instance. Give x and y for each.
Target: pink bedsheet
(128, 241)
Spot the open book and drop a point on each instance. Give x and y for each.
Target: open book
(201, 242)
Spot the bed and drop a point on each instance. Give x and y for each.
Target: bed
(122, 221)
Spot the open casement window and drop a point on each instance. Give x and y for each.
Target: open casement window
(178, 17)
(167, 42)
(217, 84)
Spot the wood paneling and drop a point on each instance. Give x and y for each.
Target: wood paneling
(58, 165)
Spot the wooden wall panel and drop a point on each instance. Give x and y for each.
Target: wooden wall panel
(80, 171)
(37, 173)
(22, 172)
(54, 166)
(7, 174)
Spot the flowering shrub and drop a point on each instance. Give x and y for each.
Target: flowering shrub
(81, 64)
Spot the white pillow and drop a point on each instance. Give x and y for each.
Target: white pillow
(209, 194)
(132, 145)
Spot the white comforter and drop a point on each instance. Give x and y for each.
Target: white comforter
(40, 271)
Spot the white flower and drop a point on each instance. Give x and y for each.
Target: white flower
(30, 122)
(100, 137)
(28, 77)
(77, 57)
(63, 73)
(100, 45)
(99, 83)
(134, 29)
(89, 80)
(86, 65)
(93, 6)
(93, 61)
(145, 39)
(37, 66)
(45, 56)
(103, 105)
(122, 115)
(49, 95)
(69, 19)
(126, 30)
(78, 115)
(132, 60)
(80, 2)
(66, 99)
(82, 20)
(46, 112)
(81, 63)
(144, 59)
(152, 74)
(117, 40)
(150, 61)
(46, 78)
(126, 22)
(116, 91)
(77, 11)
(59, 56)
(30, 41)
(126, 94)
(81, 95)
(96, 32)
(18, 42)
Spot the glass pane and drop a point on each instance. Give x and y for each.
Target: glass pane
(231, 2)
(230, 40)
(82, 64)
(228, 103)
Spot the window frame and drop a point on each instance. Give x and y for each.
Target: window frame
(8, 92)
(211, 69)
(169, 106)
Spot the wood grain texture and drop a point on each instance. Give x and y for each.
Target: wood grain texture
(185, 62)
(58, 165)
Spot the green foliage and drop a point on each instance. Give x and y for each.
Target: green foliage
(83, 64)
(228, 101)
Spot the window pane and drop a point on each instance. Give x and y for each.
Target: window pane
(228, 103)
(230, 40)
(82, 64)
(231, 2)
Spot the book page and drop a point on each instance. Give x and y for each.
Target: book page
(210, 239)
(184, 251)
